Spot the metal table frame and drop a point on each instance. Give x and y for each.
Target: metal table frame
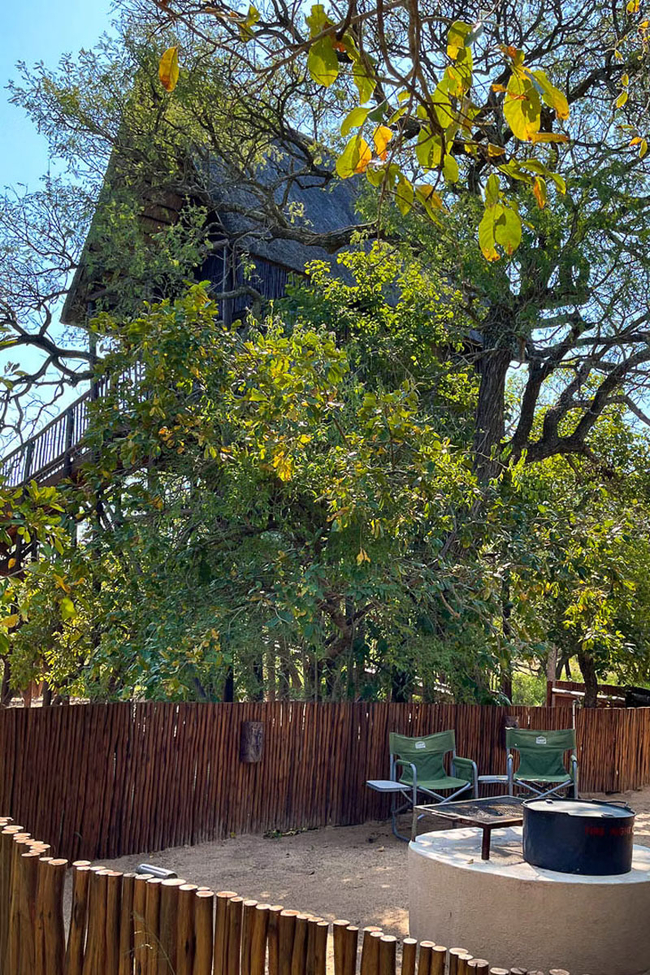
(464, 814)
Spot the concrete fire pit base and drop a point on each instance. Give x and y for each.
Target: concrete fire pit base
(516, 915)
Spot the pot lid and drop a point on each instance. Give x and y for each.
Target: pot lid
(576, 807)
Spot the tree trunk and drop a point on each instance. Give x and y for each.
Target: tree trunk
(588, 670)
(490, 425)
(5, 691)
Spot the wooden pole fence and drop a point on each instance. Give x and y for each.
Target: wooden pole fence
(128, 924)
(118, 791)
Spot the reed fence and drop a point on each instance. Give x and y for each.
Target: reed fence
(105, 780)
(130, 924)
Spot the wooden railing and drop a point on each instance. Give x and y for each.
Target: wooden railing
(54, 452)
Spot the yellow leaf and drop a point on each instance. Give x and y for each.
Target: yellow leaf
(457, 38)
(622, 98)
(539, 191)
(381, 138)
(625, 80)
(362, 556)
(61, 583)
(549, 137)
(522, 108)
(643, 148)
(495, 150)
(10, 621)
(636, 140)
(354, 158)
(322, 62)
(404, 195)
(429, 198)
(168, 68)
(365, 155)
(11, 563)
(632, 6)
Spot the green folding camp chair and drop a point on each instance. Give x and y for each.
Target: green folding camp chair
(417, 764)
(542, 769)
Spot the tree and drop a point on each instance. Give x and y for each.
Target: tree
(569, 304)
(506, 379)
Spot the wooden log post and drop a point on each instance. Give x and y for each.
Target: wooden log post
(221, 931)
(28, 867)
(233, 928)
(409, 953)
(168, 919)
(387, 955)
(370, 951)
(338, 932)
(286, 931)
(350, 948)
(258, 939)
(251, 741)
(204, 932)
(478, 966)
(152, 925)
(140, 949)
(74, 958)
(438, 959)
(248, 911)
(112, 921)
(185, 931)
(126, 939)
(299, 953)
(454, 954)
(317, 947)
(272, 939)
(463, 961)
(18, 847)
(50, 928)
(96, 920)
(6, 851)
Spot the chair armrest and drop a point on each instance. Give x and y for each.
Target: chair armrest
(410, 765)
(464, 768)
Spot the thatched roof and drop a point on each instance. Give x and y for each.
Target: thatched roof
(321, 204)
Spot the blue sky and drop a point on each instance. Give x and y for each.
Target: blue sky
(38, 30)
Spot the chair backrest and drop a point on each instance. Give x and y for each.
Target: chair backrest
(541, 752)
(426, 753)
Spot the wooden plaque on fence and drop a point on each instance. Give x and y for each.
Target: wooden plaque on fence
(251, 741)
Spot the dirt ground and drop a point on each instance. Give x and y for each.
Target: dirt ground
(352, 872)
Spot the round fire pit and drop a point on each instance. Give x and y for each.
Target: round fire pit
(516, 914)
(579, 836)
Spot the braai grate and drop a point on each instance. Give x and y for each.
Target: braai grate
(487, 814)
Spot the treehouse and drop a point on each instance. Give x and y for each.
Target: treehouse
(250, 256)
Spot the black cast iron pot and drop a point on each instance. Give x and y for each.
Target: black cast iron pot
(579, 836)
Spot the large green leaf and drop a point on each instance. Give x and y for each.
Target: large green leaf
(522, 108)
(322, 62)
(450, 168)
(552, 96)
(354, 119)
(457, 37)
(486, 233)
(404, 195)
(428, 149)
(507, 229)
(364, 80)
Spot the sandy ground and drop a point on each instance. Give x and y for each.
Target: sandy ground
(352, 872)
